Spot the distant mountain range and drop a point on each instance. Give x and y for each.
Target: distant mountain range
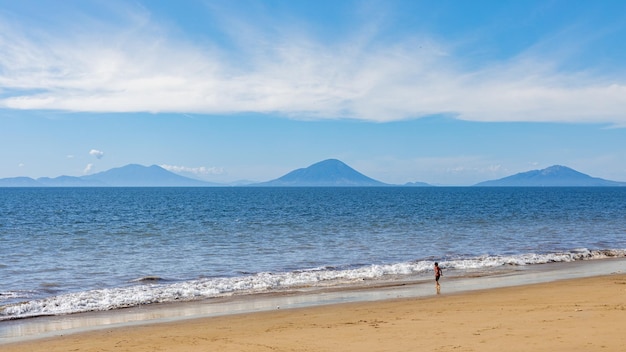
(323, 174)
(127, 176)
(553, 176)
(327, 173)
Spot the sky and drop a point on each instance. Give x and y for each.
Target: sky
(443, 92)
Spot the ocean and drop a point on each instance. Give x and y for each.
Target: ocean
(70, 250)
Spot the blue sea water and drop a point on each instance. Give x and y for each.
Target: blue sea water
(67, 250)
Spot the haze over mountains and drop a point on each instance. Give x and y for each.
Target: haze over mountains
(327, 173)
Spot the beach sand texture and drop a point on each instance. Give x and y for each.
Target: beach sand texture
(586, 314)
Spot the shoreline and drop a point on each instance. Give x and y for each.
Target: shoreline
(34, 329)
(576, 314)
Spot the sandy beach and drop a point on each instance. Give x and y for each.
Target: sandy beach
(587, 314)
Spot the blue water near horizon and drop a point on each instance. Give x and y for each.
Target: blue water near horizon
(67, 250)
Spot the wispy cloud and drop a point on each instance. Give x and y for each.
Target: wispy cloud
(199, 171)
(140, 67)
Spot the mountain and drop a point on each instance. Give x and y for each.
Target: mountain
(19, 182)
(553, 176)
(134, 175)
(126, 176)
(327, 173)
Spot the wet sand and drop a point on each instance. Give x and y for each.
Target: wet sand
(580, 314)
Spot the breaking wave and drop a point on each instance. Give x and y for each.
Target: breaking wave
(152, 289)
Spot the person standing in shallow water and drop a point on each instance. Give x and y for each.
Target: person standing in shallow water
(438, 274)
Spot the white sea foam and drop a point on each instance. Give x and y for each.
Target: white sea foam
(152, 291)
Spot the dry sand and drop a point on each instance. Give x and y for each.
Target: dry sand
(586, 314)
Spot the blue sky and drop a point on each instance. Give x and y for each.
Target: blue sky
(444, 92)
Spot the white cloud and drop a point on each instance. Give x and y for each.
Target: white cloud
(97, 153)
(88, 169)
(200, 171)
(139, 68)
